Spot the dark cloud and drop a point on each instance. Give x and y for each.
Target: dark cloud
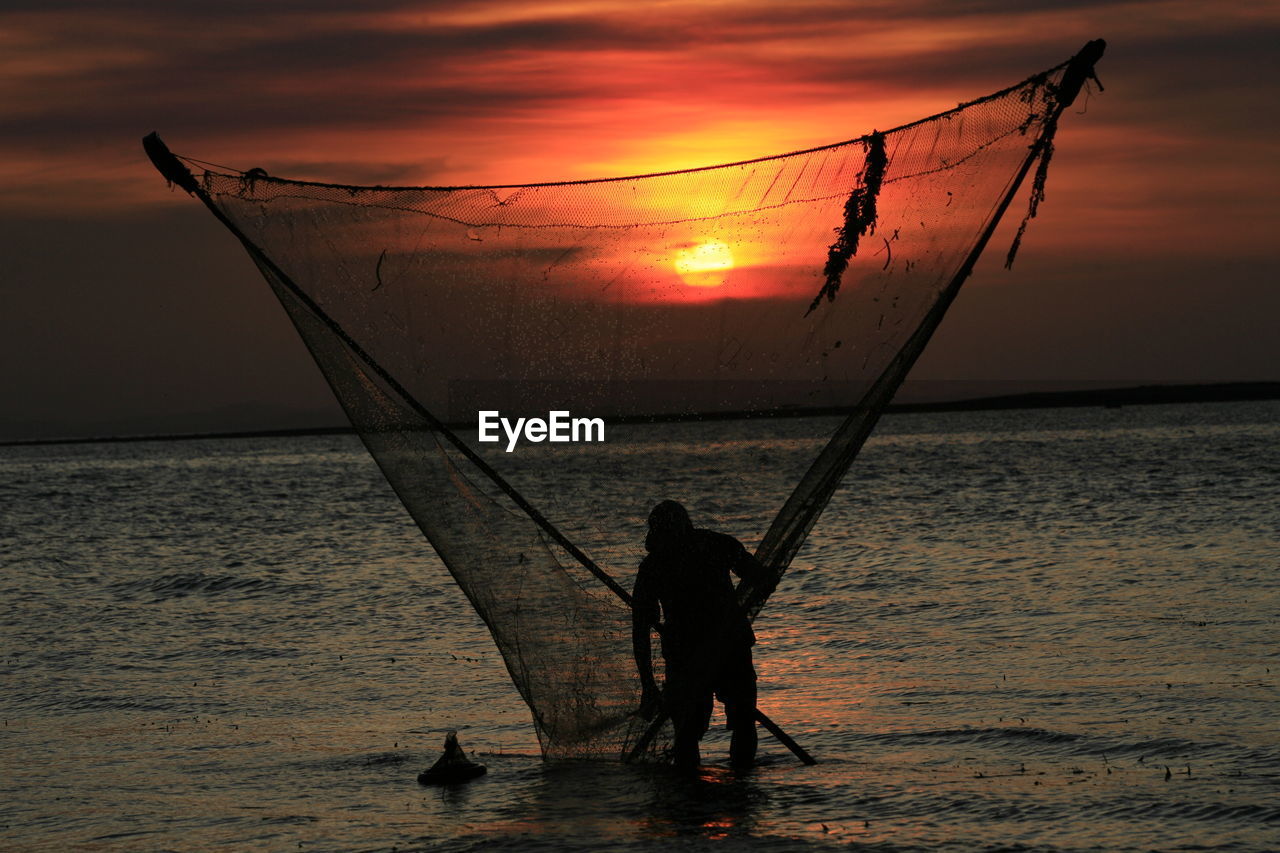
(303, 70)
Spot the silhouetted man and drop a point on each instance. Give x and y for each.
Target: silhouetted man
(706, 636)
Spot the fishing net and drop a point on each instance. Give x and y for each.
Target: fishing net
(786, 284)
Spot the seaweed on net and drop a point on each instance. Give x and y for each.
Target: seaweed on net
(859, 220)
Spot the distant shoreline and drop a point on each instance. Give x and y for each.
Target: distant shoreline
(1140, 395)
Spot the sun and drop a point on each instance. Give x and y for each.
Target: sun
(705, 264)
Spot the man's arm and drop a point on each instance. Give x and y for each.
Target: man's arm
(755, 577)
(746, 566)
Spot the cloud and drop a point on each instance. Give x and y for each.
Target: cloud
(88, 75)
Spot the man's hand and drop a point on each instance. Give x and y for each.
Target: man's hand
(650, 701)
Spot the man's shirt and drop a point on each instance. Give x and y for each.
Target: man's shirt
(690, 587)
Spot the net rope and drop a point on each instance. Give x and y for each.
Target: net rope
(803, 281)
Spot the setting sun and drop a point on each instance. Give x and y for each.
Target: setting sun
(705, 264)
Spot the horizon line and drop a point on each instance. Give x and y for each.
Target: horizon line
(1132, 395)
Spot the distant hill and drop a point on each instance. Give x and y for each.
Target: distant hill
(1221, 392)
(1139, 395)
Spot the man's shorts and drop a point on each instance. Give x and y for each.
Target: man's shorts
(688, 693)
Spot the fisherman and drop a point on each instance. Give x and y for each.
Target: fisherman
(706, 635)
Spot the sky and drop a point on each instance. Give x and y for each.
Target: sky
(125, 308)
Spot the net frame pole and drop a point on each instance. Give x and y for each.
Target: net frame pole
(175, 172)
(1078, 70)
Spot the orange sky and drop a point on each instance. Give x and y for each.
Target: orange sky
(1153, 258)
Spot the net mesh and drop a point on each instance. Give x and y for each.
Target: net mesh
(778, 285)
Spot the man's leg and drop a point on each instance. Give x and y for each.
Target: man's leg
(737, 691)
(685, 749)
(689, 706)
(742, 748)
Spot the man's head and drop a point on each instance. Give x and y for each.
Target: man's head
(669, 525)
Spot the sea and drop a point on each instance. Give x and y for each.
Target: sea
(1050, 629)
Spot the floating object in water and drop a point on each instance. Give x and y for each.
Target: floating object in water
(453, 767)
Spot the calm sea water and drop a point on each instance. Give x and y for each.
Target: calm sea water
(1051, 629)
